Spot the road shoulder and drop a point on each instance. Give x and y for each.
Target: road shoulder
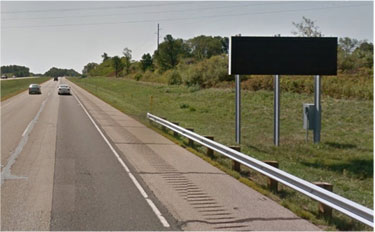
(199, 195)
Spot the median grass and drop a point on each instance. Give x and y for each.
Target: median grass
(13, 87)
(344, 157)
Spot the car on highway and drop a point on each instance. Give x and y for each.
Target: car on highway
(55, 79)
(4, 77)
(63, 89)
(35, 88)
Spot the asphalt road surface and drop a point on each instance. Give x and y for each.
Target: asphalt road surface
(75, 163)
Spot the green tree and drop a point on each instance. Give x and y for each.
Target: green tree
(170, 52)
(354, 55)
(128, 56)
(88, 67)
(203, 47)
(348, 44)
(105, 56)
(59, 72)
(225, 45)
(146, 62)
(16, 70)
(306, 28)
(117, 65)
(364, 54)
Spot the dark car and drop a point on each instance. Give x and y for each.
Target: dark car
(34, 88)
(55, 79)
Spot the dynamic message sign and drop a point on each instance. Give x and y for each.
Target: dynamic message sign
(283, 55)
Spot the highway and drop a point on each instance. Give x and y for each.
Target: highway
(74, 162)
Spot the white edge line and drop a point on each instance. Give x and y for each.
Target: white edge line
(27, 128)
(157, 212)
(139, 187)
(136, 183)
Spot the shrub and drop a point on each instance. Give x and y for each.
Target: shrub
(173, 77)
(206, 73)
(138, 76)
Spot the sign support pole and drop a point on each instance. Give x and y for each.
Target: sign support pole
(318, 109)
(238, 109)
(276, 104)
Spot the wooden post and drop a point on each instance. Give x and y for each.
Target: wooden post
(210, 152)
(271, 183)
(235, 165)
(191, 142)
(323, 209)
(175, 134)
(163, 127)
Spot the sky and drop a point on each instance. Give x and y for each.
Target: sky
(69, 34)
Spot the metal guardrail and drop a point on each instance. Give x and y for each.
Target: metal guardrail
(341, 204)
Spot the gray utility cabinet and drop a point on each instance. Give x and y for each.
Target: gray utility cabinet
(308, 116)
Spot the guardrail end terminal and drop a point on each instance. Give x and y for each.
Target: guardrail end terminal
(271, 183)
(324, 210)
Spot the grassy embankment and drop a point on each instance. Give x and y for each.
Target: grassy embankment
(10, 88)
(344, 157)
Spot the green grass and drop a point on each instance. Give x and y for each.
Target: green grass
(10, 88)
(344, 157)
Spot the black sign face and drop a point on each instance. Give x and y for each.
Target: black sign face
(283, 55)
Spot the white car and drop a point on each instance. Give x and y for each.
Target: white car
(63, 89)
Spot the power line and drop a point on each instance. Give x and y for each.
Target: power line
(91, 8)
(147, 12)
(190, 18)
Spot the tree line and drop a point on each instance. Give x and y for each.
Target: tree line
(353, 55)
(22, 71)
(58, 72)
(170, 53)
(203, 60)
(15, 70)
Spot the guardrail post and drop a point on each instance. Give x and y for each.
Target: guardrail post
(175, 134)
(235, 165)
(325, 210)
(191, 142)
(210, 152)
(163, 127)
(271, 183)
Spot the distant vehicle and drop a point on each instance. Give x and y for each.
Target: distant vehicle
(63, 89)
(34, 88)
(4, 77)
(55, 79)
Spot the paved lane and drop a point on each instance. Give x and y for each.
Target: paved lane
(16, 114)
(91, 189)
(59, 174)
(28, 156)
